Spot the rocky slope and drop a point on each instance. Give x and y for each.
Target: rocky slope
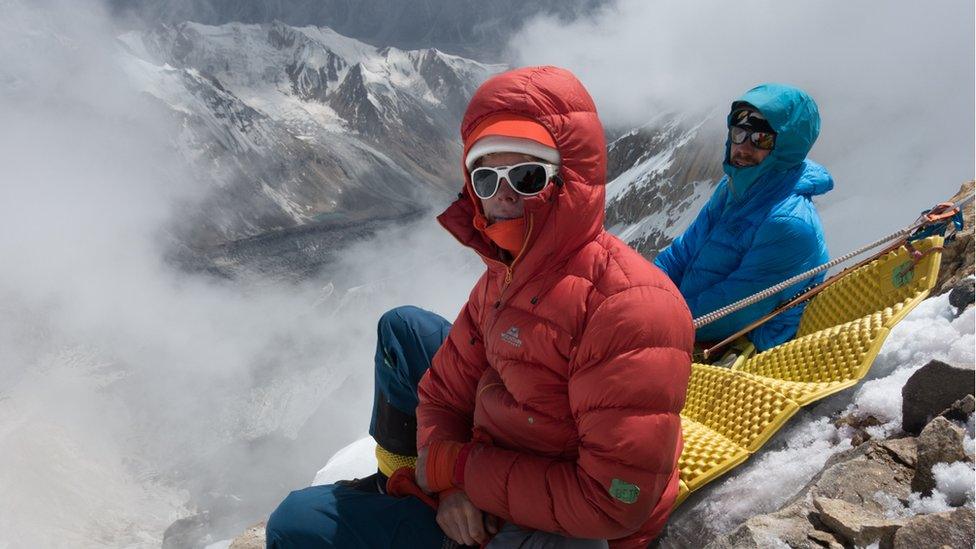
(291, 126)
(659, 177)
(903, 492)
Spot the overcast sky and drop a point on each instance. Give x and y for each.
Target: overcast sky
(894, 82)
(111, 359)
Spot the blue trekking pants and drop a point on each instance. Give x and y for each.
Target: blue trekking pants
(344, 517)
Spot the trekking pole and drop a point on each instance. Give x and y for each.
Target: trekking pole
(940, 213)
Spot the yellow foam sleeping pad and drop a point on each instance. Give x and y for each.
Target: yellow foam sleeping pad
(730, 413)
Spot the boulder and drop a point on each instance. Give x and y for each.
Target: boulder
(788, 527)
(940, 442)
(903, 450)
(960, 409)
(963, 294)
(930, 390)
(857, 480)
(855, 476)
(252, 538)
(950, 529)
(857, 524)
(190, 531)
(825, 539)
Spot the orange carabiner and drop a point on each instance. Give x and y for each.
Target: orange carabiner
(943, 210)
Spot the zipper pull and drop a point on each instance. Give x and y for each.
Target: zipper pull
(508, 276)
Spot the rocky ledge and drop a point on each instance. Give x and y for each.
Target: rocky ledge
(902, 493)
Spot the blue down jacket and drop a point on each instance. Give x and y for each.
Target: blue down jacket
(759, 228)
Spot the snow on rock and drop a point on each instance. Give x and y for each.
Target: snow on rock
(929, 332)
(956, 481)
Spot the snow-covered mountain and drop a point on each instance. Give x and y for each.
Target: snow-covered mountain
(659, 176)
(298, 125)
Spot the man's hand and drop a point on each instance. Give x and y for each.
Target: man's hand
(462, 521)
(420, 470)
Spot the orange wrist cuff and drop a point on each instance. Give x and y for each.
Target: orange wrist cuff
(441, 460)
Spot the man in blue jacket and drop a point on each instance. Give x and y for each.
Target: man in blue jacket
(760, 227)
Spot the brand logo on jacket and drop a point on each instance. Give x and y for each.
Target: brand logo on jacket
(624, 491)
(511, 336)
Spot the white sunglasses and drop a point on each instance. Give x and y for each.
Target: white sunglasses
(527, 178)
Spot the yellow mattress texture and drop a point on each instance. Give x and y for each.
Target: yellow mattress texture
(730, 413)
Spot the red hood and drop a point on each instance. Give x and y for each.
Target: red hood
(563, 218)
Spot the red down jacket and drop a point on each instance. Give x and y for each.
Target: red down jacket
(567, 369)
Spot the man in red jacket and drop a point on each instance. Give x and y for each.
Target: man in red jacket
(552, 405)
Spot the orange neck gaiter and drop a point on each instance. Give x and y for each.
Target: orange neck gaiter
(509, 235)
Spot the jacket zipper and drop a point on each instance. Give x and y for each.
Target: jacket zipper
(510, 268)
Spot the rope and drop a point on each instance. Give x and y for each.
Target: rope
(927, 218)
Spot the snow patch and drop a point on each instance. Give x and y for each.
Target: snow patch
(956, 481)
(356, 460)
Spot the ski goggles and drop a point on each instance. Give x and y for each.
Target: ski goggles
(761, 140)
(527, 178)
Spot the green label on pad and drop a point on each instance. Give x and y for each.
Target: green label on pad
(903, 274)
(624, 491)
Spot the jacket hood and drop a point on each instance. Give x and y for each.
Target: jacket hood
(567, 214)
(815, 180)
(796, 119)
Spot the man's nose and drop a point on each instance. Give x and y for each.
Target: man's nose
(505, 191)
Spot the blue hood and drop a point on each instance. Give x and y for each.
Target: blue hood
(814, 180)
(794, 116)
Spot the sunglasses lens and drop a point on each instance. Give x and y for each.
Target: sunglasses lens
(763, 140)
(738, 135)
(485, 182)
(528, 178)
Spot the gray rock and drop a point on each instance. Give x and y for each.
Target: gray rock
(859, 425)
(857, 480)
(853, 476)
(252, 538)
(940, 442)
(857, 524)
(786, 528)
(952, 529)
(188, 532)
(960, 409)
(930, 390)
(825, 539)
(963, 294)
(904, 450)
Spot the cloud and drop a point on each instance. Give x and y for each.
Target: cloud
(894, 82)
(131, 392)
